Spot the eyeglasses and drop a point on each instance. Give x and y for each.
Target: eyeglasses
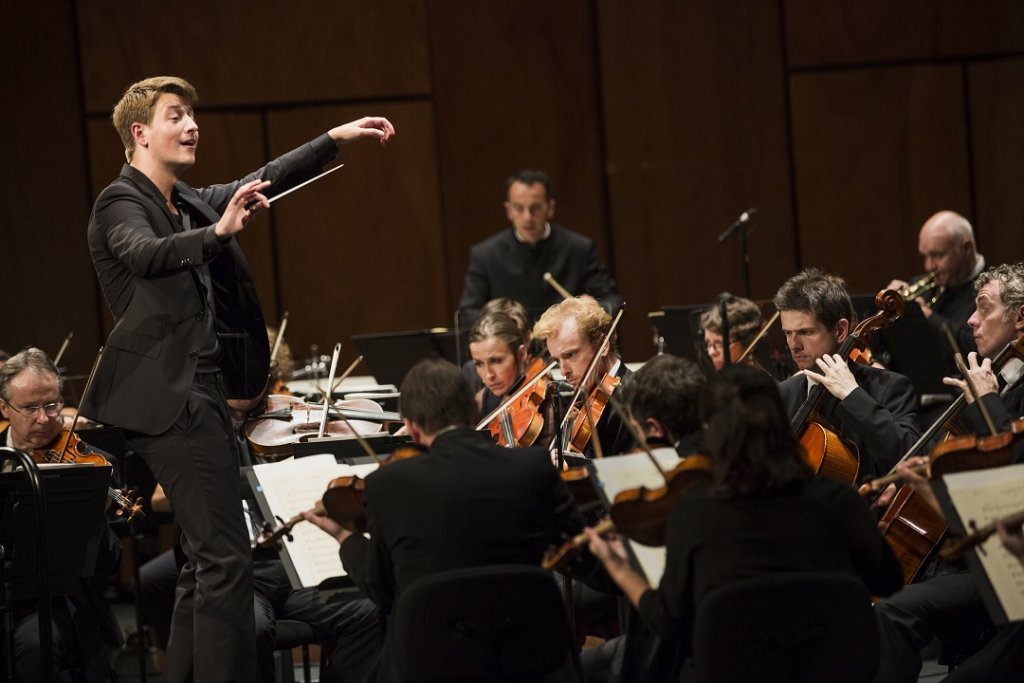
(49, 409)
(717, 345)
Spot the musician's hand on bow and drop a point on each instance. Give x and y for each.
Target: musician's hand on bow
(984, 378)
(242, 207)
(1012, 538)
(329, 526)
(367, 127)
(919, 482)
(885, 497)
(835, 375)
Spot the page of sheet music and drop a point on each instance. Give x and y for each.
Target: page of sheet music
(294, 485)
(983, 495)
(622, 472)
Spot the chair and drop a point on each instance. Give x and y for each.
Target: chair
(290, 634)
(493, 623)
(799, 626)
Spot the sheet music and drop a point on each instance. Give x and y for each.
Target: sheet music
(291, 486)
(981, 496)
(622, 472)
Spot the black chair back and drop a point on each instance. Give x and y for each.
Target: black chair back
(493, 623)
(798, 626)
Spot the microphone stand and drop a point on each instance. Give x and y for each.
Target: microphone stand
(740, 228)
(723, 312)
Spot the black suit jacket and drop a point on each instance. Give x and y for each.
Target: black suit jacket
(147, 268)
(880, 416)
(502, 266)
(467, 502)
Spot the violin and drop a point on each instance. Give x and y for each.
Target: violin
(825, 451)
(639, 513)
(290, 419)
(585, 420)
(519, 420)
(957, 547)
(342, 501)
(67, 448)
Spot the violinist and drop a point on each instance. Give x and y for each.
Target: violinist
(573, 331)
(949, 606)
(662, 399)
(744, 324)
(998, 320)
(189, 334)
(85, 632)
(464, 502)
(498, 348)
(764, 512)
(874, 409)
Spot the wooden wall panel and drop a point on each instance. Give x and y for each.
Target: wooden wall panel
(240, 53)
(47, 274)
(997, 109)
(515, 87)
(696, 133)
(361, 251)
(858, 31)
(876, 152)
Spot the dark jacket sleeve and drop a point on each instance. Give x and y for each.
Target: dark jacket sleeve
(881, 417)
(599, 284)
(368, 562)
(476, 291)
(872, 557)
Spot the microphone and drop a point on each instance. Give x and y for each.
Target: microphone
(744, 218)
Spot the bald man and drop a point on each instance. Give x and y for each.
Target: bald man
(946, 242)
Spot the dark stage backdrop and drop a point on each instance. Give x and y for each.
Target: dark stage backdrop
(846, 123)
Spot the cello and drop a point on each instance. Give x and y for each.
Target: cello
(826, 452)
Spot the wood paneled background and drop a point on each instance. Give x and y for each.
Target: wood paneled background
(846, 123)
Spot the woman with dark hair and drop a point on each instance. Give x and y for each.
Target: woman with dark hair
(763, 513)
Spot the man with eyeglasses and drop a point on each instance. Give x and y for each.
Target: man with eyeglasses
(85, 632)
(512, 263)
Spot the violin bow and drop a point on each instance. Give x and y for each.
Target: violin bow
(327, 394)
(519, 392)
(78, 408)
(63, 348)
(757, 340)
(278, 338)
(962, 367)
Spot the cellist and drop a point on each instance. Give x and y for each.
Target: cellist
(874, 409)
(573, 331)
(949, 607)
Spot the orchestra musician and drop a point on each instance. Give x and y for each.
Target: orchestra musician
(465, 502)
(189, 333)
(946, 243)
(573, 330)
(498, 348)
(513, 262)
(85, 632)
(949, 607)
(517, 312)
(662, 398)
(744, 319)
(872, 408)
(764, 512)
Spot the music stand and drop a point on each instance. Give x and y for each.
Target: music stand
(51, 521)
(389, 356)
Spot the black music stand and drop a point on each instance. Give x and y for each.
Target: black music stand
(389, 356)
(51, 521)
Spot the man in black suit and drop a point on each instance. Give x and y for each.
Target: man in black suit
(573, 331)
(189, 333)
(84, 633)
(512, 263)
(949, 607)
(874, 409)
(465, 502)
